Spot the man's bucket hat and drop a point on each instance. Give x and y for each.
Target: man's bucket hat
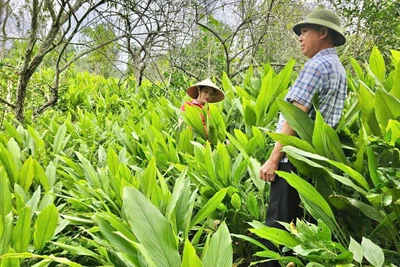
(192, 91)
(325, 18)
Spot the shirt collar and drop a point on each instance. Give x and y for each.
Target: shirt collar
(324, 52)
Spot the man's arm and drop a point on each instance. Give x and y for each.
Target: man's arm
(267, 171)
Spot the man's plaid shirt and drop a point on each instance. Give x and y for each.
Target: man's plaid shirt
(325, 74)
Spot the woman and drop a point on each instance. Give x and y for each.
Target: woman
(201, 93)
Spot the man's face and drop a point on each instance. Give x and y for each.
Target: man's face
(205, 95)
(310, 41)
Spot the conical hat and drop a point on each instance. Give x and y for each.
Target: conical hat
(192, 91)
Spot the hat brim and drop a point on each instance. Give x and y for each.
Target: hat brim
(339, 38)
(218, 96)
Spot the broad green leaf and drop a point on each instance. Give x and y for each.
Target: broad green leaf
(180, 201)
(357, 68)
(372, 252)
(307, 190)
(288, 140)
(275, 235)
(367, 101)
(8, 163)
(326, 141)
(252, 205)
(39, 143)
(299, 154)
(223, 163)
(239, 146)
(7, 262)
(90, 173)
(395, 55)
(394, 129)
(45, 226)
(77, 250)
(387, 108)
(112, 230)
(264, 98)
(298, 120)
(148, 178)
(112, 161)
(6, 231)
(151, 228)
(12, 131)
(59, 139)
(211, 205)
(357, 250)
(36, 256)
(253, 241)
(395, 90)
(26, 174)
(219, 253)
(41, 176)
(13, 148)
(373, 166)
(5, 195)
(250, 116)
(189, 257)
(377, 64)
(22, 231)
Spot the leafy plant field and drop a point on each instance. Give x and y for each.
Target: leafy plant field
(109, 179)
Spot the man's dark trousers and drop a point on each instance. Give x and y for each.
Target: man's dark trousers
(283, 206)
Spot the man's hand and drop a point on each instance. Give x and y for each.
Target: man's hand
(267, 171)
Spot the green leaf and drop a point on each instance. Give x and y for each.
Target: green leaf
(387, 108)
(288, 140)
(90, 173)
(372, 252)
(299, 155)
(298, 120)
(356, 249)
(77, 250)
(6, 231)
(59, 139)
(250, 116)
(377, 64)
(22, 232)
(26, 174)
(148, 178)
(8, 163)
(179, 204)
(357, 68)
(189, 257)
(5, 195)
(326, 141)
(395, 90)
(275, 235)
(264, 98)
(41, 176)
(394, 129)
(151, 228)
(35, 256)
(373, 166)
(252, 205)
(45, 226)
(219, 253)
(307, 191)
(211, 205)
(367, 101)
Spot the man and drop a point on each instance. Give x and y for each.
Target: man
(318, 34)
